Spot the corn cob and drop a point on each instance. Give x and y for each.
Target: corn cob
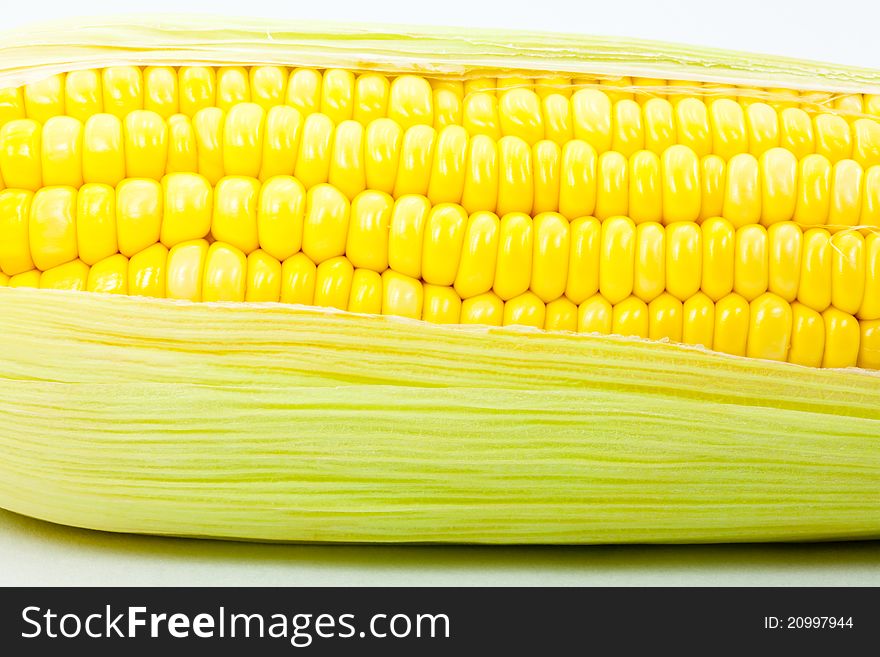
(740, 218)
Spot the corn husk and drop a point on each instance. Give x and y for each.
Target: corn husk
(274, 422)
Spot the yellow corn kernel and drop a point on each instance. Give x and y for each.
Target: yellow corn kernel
(519, 113)
(796, 132)
(649, 278)
(109, 275)
(551, 248)
(846, 194)
(20, 149)
(583, 263)
(26, 279)
(762, 128)
(198, 89)
(382, 143)
(869, 345)
(243, 133)
(442, 246)
(692, 126)
(770, 323)
(188, 207)
(448, 166)
(15, 250)
(184, 269)
(485, 309)
(595, 315)
(785, 241)
(208, 127)
(729, 136)
(416, 158)
(411, 101)
(816, 266)
(561, 315)
(61, 158)
(234, 215)
(71, 275)
(778, 185)
(558, 122)
(281, 139)
(719, 256)
(807, 336)
(138, 214)
(147, 273)
(225, 277)
(346, 163)
(52, 227)
(577, 189)
(160, 91)
(612, 187)
(325, 229)
(630, 317)
(833, 137)
(731, 325)
(406, 234)
(44, 98)
(371, 92)
(814, 190)
(870, 214)
(660, 118)
(842, 335)
(263, 277)
(848, 270)
(684, 253)
(146, 144)
(441, 305)
(849, 104)
(123, 88)
(480, 191)
(103, 159)
(96, 222)
(525, 310)
(648, 88)
(617, 96)
(680, 171)
(447, 108)
(315, 151)
(298, 275)
(866, 142)
(713, 177)
(401, 295)
(553, 85)
(546, 160)
(479, 114)
(366, 292)
(515, 178)
(872, 104)
(513, 265)
(871, 298)
(665, 318)
(645, 201)
(337, 95)
(304, 90)
(182, 153)
(367, 242)
(476, 270)
(628, 135)
(742, 196)
(233, 87)
(591, 114)
(617, 259)
(698, 321)
(11, 105)
(751, 268)
(333, 283)
(268, 86)
(280, 216)
(82, 94)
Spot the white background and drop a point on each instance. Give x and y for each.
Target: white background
(841, 31)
